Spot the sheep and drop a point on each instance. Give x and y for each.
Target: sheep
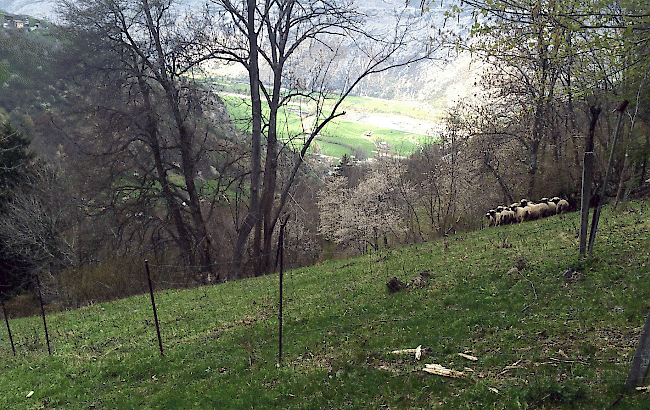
(521, 213)
(502, 216)
(544, 209)
(561, 204)
(551, 206)
(506, 215)
(534, 210)
(538, 210)
(491, 216)
(498, 216)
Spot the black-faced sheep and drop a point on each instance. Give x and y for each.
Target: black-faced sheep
(562, 205)
(499, 217)
(552, 207)
(506, 216)
(521, 213)
(534, 210)
(491, 216)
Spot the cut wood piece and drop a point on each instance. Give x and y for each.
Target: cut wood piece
(468, 357)
(442, 371)
(418, 351)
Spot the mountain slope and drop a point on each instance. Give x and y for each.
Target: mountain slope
(422, 81)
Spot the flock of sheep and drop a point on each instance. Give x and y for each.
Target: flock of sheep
(524, 210)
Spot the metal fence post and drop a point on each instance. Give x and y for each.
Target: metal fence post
(153, 305)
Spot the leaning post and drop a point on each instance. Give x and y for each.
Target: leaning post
(11, 339)
(587, 180)
(153, 305)
(594, 224)
(641, 361)
(40, 298)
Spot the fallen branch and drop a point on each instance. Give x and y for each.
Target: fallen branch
(418, 351)
(515, 365)
(468, 357)
(442, 371)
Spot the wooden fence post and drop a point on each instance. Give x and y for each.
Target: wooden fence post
(281, 261)
(587, 180)
(594, 224)
(641, 361)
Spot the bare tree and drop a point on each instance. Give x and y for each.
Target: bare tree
(153, 127)
(37, 226)
(315, 51)
(446, 175)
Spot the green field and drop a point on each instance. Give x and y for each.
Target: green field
(339, 134)
(433, 110)
(542, 341)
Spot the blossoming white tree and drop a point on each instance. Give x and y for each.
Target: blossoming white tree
(370, 213)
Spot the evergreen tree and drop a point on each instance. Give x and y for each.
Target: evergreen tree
(16, 170)
(16, 160)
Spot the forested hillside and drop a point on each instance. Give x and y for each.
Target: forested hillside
(27, 72)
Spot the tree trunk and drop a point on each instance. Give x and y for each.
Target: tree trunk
(270, 176)
(186, 138)
(253, 216)
(183, 238)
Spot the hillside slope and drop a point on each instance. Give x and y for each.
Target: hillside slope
(542, 339)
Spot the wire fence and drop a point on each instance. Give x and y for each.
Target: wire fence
(289, 300)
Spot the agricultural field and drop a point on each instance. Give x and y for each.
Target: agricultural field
(496, 308)
(365, 138)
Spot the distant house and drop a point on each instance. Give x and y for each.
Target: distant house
(15, 21)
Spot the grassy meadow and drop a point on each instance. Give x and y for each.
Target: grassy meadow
(340, 137)
(542, 341)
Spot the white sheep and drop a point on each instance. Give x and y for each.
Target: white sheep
(506, 215)
(539, 210)
(521, 213)
(534, 210)
(551, 206)
(562, 205)
(544, 209)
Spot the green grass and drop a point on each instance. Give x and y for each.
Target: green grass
(379, 105)
(542, 342)
(331, 149)
(338, 135)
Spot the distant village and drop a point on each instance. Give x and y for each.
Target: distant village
(15, 21)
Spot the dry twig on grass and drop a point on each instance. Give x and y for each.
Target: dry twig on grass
(443, 371)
